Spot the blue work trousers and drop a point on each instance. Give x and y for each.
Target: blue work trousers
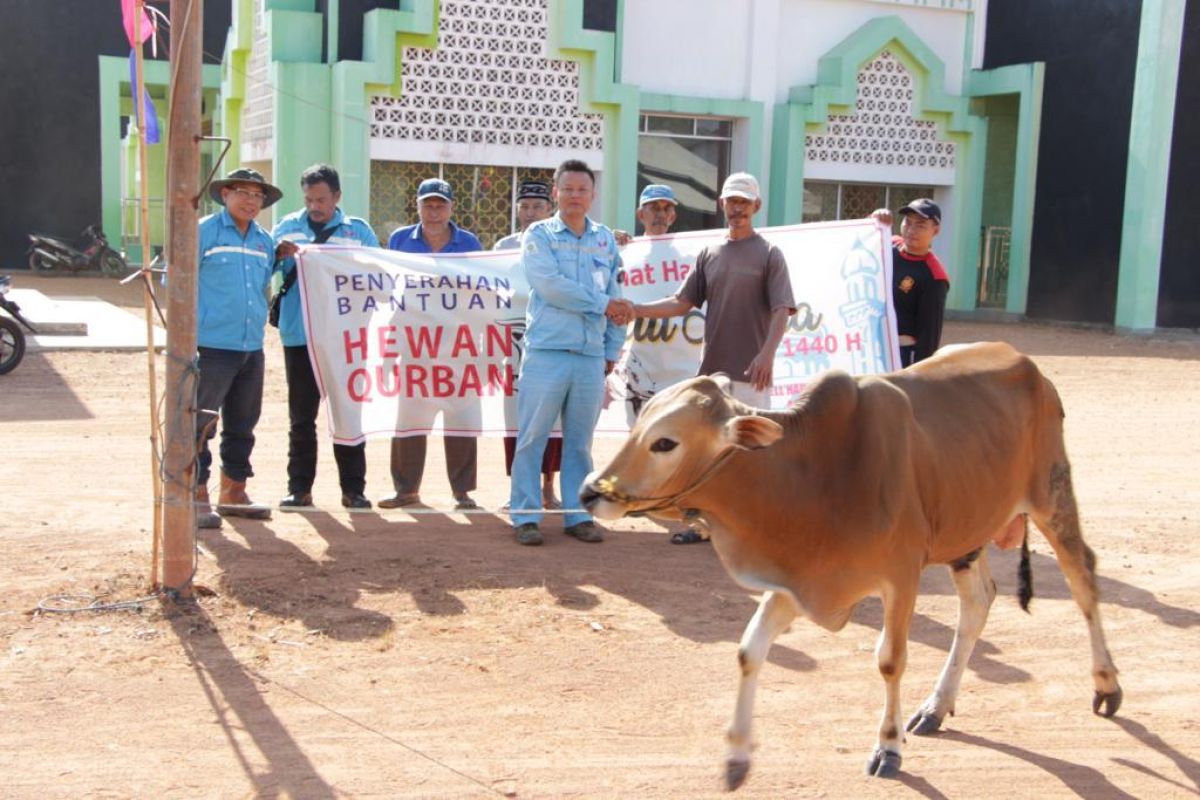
(554, 383)
(231, 382)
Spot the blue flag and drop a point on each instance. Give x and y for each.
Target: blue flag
(151, 115)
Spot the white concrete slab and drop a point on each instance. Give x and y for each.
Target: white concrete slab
(82, 323)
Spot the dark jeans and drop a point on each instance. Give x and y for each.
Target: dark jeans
(304, 401)
(231, 382)
(908, 355)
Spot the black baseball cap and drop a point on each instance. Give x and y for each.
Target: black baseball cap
(923, 207)
(533, 190)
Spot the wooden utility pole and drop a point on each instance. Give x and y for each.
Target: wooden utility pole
(183, 189)
(139, 92)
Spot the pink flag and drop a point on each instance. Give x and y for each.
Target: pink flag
(127, 16)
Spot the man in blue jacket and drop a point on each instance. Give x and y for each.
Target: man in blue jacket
(237, 257)
(435, 233)
(320, 221)
(574, 330)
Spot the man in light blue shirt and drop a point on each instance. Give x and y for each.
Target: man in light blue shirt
(574, 330)
(435, 233)
(237, 258)
(320, 221)
(533, 205)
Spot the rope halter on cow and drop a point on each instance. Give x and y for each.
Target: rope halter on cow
(607, 488)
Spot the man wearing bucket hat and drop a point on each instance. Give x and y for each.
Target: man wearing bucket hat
(435, 233)
(744, 281)
(237, 258)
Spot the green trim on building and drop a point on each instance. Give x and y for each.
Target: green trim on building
(1025, 81)
(836, 91)
(322, 110)
(116, 100)
(599, 92)
(1148, 170)
(385, 35)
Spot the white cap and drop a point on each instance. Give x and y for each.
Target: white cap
(740, 184)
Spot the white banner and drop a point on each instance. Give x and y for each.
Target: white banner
(407, 344)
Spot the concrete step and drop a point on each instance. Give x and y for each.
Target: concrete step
(82, 323)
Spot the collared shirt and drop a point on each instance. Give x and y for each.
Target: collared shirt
(234, 273)
(571, 279)
(348, 230)
(510, 242)
(410, 240)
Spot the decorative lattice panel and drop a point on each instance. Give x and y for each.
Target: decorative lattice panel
(881, 131)
(482, 195)
(394, 194)
(488, 82)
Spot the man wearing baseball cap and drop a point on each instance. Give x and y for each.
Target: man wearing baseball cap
(919, 282)
(435, 233)
(237, 258)
(656, 209)
(744, 281)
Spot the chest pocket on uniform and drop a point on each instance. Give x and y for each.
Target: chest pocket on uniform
(600, 273)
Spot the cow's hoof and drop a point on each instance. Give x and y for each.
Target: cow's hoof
(924, 723)
(735, 773)
(884, 764)
(1109, 701)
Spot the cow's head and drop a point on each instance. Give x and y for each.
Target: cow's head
(680, 437)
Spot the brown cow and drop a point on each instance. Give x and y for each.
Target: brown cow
(852, 492)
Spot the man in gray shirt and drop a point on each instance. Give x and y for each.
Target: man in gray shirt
(744, 280)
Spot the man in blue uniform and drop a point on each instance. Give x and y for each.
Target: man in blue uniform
(320, 221)
(237, 257)
(533, 205)
(435, 233)
(574, 329)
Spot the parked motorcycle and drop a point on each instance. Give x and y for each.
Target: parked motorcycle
(12, 338)
(48, 254)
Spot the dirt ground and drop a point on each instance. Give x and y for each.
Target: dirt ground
(387, 655)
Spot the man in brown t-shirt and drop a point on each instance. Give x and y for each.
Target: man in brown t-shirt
(744, 280)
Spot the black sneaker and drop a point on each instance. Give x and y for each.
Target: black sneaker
(585, 532)
(355, 500)
(296, 500)
(528, 534)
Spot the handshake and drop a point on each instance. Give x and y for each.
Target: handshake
(621, 311)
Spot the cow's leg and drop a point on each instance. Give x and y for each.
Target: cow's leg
(1060, 524)
(976, 591)
(891, 653)
(774, 613)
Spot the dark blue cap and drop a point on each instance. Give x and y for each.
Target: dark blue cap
(435, 187)
(923, 207)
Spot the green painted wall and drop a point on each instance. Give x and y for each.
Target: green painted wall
(1151, 126)
(1001, 113)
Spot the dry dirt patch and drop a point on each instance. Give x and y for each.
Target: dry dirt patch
(385, 655)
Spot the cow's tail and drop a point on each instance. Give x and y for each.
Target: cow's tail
(1024, 572)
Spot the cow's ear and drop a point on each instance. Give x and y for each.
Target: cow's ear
(723, 383)
(752, 432)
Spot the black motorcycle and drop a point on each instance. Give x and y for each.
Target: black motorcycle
(91, 252)
(12, 338)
